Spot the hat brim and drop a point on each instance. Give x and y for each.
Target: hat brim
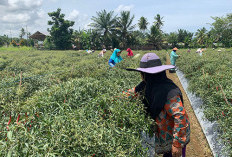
(153, 70)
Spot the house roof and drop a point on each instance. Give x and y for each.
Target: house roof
(38, 36)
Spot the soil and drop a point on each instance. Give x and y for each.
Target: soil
(198, 146)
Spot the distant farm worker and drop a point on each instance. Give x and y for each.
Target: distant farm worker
(164, 103)
(173, 57)
(130, 53)
(101, 54)
(200, 51)
(115, 58)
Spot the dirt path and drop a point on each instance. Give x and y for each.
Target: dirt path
(198, 146)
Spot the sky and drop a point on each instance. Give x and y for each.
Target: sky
(32, 15)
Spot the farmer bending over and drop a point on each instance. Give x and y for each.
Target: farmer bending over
(164, 103)
(101, 54)
(130, 53)
(115, 58)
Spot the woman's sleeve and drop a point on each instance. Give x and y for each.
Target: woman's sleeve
(176, 109)
(130, 93)
(134, 92)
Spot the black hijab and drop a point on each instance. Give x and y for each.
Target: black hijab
(157, 89)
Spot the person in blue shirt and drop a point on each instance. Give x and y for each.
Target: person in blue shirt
(115, 58)
(173, 57)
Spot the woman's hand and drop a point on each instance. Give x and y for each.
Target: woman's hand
(176, 152)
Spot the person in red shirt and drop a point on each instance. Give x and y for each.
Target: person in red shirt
(164, 103)
(130, 53)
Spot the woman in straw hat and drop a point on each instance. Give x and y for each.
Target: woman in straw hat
(173, 57)
(164, 103)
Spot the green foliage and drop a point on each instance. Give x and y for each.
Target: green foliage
(48, 44)
(155, 37)
(89, 39)
(201, 36)
(60, 31)
(222, 29)
(158, 21)
(4, 40)
(173, 39)
(69, 105)
(184, 37)
(22, 42)
(143, 23)
(210, 78)
(22, 33)
(105, 23)
(125, 27)
(16, 49)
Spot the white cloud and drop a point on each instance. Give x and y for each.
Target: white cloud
(17, 14)
(124, 8)
(73, 15)
(16, 18)
(3, 2)
(23, 4)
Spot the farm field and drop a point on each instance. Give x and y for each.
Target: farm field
(210, 78)
(65, 103)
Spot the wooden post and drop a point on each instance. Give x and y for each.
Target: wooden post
(224, 95)
(72, 70)
(20, 82)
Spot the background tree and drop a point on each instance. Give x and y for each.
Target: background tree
(155, 37)
(158, 21)
(173, 39)
(201, 36)
(181, 35)
(184, 37)
(22, 33)
(4, 40)
(105, 24)
(143, 24)
(87, 39)
(60, 31)
(48, 44)
(222, 29)
(125, 27)
(140, 39)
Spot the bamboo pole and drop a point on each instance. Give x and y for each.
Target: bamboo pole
(224, 95)
(20, 82)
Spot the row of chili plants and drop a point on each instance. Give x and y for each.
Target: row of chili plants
(210, 77)
(65, 103)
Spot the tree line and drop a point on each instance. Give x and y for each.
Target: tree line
(109, 30)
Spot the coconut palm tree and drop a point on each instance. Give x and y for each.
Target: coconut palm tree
(158, 21)
(173, 39)
(143, 23)
(105, 24)
(201, 36)
(125, 26)
(155, 37)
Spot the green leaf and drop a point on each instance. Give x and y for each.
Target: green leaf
(9, 135)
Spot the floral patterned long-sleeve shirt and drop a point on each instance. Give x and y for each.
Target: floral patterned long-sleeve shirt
(173, 127)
